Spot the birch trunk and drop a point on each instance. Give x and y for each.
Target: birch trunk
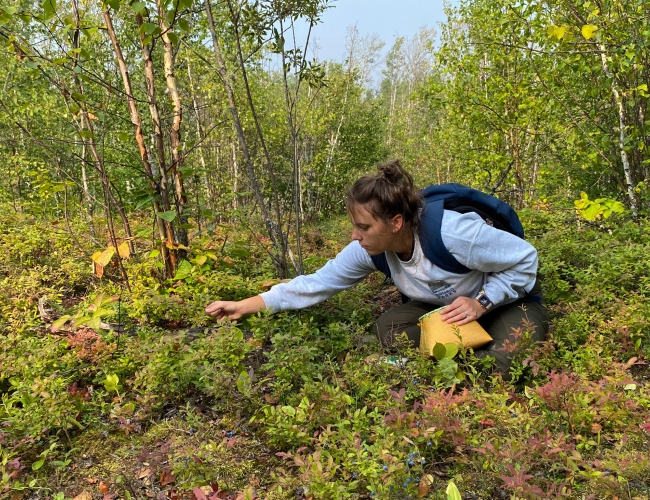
(169, 257)
(629, 180)
(175, 132)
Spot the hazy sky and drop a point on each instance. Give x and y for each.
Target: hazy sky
(387, 18)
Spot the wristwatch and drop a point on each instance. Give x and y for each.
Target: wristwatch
(484, 300)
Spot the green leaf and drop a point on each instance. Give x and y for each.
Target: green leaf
(111, 383)
(183, 271)
(452, 492)
(630, 387)
(201, 259)
(86, 134)
(439, 351)
(10, 10)
(173, 37)
(187, 4)
(148, 28)
(184, 25)
(39, 464)
(115, 4)
(49, 8)
(289, 410)
(452, 350)
(169, 216)
(588, 30)
(124, 136)
(138, 7)
(60, 322)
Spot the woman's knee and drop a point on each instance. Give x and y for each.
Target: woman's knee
(402, 319)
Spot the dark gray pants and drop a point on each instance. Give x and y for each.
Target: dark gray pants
(501, 323)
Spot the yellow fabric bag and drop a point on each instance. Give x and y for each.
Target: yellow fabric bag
(435, 330)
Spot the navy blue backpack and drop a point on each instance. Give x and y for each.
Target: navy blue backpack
(461, 199)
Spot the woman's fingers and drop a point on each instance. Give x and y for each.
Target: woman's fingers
(461, 311)
(220, 308)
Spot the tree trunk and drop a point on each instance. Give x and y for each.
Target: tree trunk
(629, 179)
(169, 256)
(175, 132)
(273, 228)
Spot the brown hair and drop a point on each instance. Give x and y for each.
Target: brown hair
(387, 193)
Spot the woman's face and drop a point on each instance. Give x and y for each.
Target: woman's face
(374, 235)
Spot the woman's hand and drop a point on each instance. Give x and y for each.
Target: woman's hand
(461, 311)
(235, 310)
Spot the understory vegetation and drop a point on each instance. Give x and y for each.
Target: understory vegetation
(304, 403)
(156, 156)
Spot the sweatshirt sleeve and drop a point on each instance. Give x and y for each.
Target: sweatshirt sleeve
(509, 261)
(349, 267)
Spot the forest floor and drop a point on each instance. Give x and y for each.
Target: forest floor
(301, 404)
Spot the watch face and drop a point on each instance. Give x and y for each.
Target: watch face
(484, 301)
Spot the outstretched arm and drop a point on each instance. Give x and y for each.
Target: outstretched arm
(235, 310)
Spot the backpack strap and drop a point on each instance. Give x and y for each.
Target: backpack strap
(433, 247)
(381, 263)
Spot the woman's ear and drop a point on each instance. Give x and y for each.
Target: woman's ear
(397, 223)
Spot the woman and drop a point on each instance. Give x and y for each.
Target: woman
(385, 211)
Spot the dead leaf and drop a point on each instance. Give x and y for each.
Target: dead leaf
(84, 495)
(144, 473)
(91, 480)
(270, 399)
(98, 270)
(167, 477)
(631, 362)
(425, 485)
(110, 496)
(103, 487)
(266, 285)
(198, 493)
(408, 440)
(596, 428)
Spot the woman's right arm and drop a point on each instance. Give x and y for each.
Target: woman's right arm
(235, 310)
(349, 267)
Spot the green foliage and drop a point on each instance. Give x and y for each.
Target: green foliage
(595, 209)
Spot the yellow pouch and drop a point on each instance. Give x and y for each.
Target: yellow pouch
(435, 331)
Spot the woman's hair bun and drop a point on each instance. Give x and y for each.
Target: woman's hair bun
(393, 173)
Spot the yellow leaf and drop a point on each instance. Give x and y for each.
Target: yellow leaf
(124, 250)
(104, 257)
(593, 13)
(560, 31)
(588, 30)
(91, 116)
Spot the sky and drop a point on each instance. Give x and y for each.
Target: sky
(387, 18)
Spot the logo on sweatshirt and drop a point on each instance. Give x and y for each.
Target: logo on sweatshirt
(441, 289)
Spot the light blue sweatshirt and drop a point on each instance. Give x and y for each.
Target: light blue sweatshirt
(502, 264)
